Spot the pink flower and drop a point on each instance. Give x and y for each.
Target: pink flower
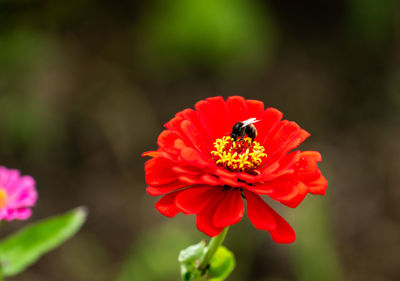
(17, 195)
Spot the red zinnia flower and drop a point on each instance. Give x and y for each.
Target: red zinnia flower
(201, 170)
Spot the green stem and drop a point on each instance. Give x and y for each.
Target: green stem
(212, 249)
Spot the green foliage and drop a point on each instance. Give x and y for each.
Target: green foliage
(211, 32)
(373, 21)
(152, 257)
(221, 264)
(19, 50)
(28, 122)
(192, 253)
(23, 248)
(188, 259)
(189, 272)
(28, 118)
(314, 253)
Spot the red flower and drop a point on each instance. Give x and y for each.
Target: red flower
(199, 169)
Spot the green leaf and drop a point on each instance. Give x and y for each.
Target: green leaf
(188, 258)
(27, 245)
(221, 264)
(192, 253)
(189, 272)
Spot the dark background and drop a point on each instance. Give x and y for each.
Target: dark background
(85, 87)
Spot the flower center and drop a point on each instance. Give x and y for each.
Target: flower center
(242, 155)
(3, 198)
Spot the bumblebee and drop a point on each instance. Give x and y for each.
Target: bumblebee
(242, 128)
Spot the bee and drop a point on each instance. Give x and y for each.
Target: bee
(242, 128)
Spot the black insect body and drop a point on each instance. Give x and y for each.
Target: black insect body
(243, 128)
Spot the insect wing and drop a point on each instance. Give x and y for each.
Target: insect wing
(249, 121)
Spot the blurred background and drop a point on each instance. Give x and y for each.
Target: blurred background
(85, 87)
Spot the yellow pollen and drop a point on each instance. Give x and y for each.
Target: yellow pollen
(3, 198)
(242, 155)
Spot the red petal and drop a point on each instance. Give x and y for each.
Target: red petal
(230, 210)
(283, 233)
(246, 177)
(224, 173)
(158, 171)
(286, 166)
(179, 144)
(195, 158)
(152, 153)
(255, 109)
(194, 136)
(166, 141)
(315, 155)
(224, 127)
(292, 141)
(261, 189)
(285, 191)
(190, 179)
(237, 107)
(204, 219)
(230, 182)
(192, 200)
(281, 136)
(166, 205)
(259, 212)
(163, 189)
(319, 186)
(268, 170)
(209, 179)
(300, 191)
(269, 120)
(191, 116)
(174, 124)
(228, 178)
(208, 118)
(308, 172)
(289, 160)
(307, 168)
(185, 170)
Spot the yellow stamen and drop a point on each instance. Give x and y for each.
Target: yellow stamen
(3, 198)
(243, 155)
